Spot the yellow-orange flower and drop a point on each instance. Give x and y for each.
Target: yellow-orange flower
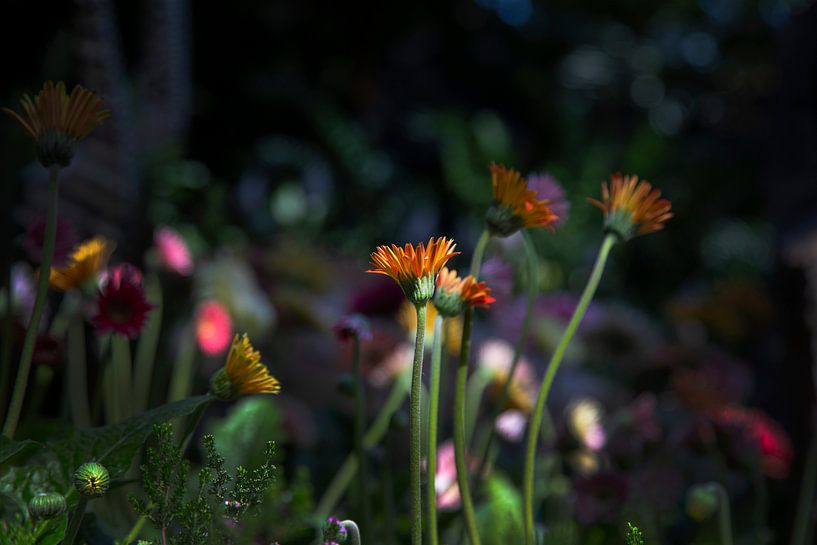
(632, 207)
(455, 294)
(515, 205)
(243, 374)
(84, 264)
(415, 269)
(57, 120)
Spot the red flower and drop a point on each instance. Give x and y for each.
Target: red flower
(774, 446)
(122, 307)
(214, 328)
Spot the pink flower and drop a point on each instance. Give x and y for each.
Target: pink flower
(173, 251)
(214, 328)
(122, 307)
(445, 482)
(510, 425)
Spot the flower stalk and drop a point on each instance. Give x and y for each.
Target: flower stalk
(359, 430)
(414, 428)
(433, 410)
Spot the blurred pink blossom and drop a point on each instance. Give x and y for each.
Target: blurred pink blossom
(173, 251)
(214, 328)
(510, 425)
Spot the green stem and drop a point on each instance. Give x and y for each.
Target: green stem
(376, 432)
(724, 515)
(805, 505)
(414, 429)
(479, 251)
(352, 530)
(122, 375)
(146, 349)
(181, 381)
(360, 428)
(75, 521)
(433, 409)
(533, 291)
(29, 342)
(459, 431)
(547, 382)
(77, 377)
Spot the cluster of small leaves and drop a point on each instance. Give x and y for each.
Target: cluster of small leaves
(634, 535)
(18, 531)
(197, 517)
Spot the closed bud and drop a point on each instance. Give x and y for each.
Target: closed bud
(46, 505)
(92, 480)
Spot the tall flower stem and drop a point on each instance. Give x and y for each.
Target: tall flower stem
(122, 375)
(181, 381)
(803, 521)
(459, 431)
(414, 429)
(547, 381)
(77, 375)
(75, 521)
(433, 409)
(533, 289)
(146, 349)
(724, 515)
(359, 430)
(20, 384)
(479, 252)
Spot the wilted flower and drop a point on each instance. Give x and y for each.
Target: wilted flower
(243, 373)
(515, 205)
(549, 189)
(414, 268)
(57, 121)
(599, 498)
(85, 263)
(214, 328)
(632, 207)
(351, 326)
(173, 251)
(454, 294)
(121, 305)
(64, 242)
(92, 480)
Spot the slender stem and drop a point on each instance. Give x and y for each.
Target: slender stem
(360, 428)
(75, 521)
(13, 415)
(77, 377)
(414, 429)
(459, 431)
(433, 410)
(724, 515)
(353, 531)
(122, 374)
(376, 432)
(547, 382)
(181, 381)
(479, 251)
(533, 291)
(803, 521)
(146, 349)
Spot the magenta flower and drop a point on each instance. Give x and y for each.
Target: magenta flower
(121, 306)
(173, 251)
(214, 327)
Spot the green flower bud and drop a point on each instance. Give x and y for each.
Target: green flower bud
(55, 147)
(92, 480)
(46, 505)
(221, 386)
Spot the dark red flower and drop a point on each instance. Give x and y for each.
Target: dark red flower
(773, 444)
(122, 307)
(64, 242)
(354, 325)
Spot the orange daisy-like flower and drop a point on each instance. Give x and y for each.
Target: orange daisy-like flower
(57, 120)
(515, 205)
(84, 264)
(455, 294)
(415, 269)
(243, 374)
(632, 207)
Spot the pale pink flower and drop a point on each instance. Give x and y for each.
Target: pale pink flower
(214, 327)
(510, 425)
(173, 251)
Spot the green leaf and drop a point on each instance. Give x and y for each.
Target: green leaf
(52, 531)
(9, 448)
(115, 445)
(500, 518)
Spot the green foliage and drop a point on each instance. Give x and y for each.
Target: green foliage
(19, 484)
(18, 531)
(634, 535)
(10, 449)
(500, 517)
(198, 516)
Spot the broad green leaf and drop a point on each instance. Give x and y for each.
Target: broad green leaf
(9, 448)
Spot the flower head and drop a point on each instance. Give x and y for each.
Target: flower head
(243, 374)
(214, 327)
(84, 264)
(57, 120)
(122, 307)
(632, 207)
(414, 268)
(173, 251)
(454, 294)
(515, 204)
(92, 480)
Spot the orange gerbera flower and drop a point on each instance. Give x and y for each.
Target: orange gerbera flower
(515, 205)
(84, 264)
(632, 207)
(243, 374)
(415, 269)
(455, 294)
(57, 120)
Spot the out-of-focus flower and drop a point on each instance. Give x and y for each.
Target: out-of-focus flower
(632, 207)
(445, 480)
(498, 274)
(214, 328)
(243, 373)
(173, 252)
(547, 187)
(510, 425)
(515, 205)
(376, 298)
(454, 294)
(121, 305)
(393, 366)
(599, 498)
(623, 336)
(452, 327)
(584, 420)
(495, 358)
(351, 326)
(57, 121)
(66, 239)
(772, 442)
(231, 281)
(642, 412)
(85, 263)
(92, 480)
(414, 268)
(23, 290)
(334, 532)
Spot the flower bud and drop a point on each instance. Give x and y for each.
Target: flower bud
(46, 505)
(92, 480)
